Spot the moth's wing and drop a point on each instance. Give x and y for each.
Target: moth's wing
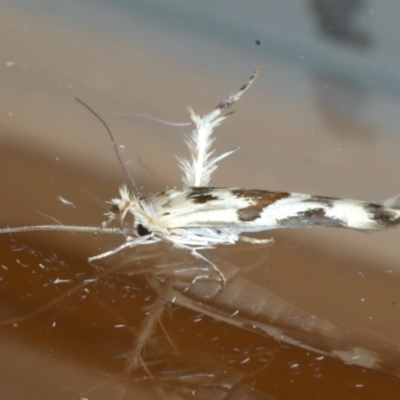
(201, 207)
(195, 207)
(257, 210)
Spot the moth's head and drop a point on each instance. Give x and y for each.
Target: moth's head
(120, 207)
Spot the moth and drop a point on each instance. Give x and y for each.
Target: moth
(197, 217)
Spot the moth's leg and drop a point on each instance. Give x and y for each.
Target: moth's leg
(213, 266)
(129, 243)
(154, 313)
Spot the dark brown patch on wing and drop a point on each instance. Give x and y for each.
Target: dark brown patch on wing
(201, 195)
(258, 200)
(250, 213)
(314, 217)
(383, 216)
(328, 201)
(263, 197)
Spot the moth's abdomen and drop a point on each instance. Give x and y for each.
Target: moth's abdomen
(301, 210)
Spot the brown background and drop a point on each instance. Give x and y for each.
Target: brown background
(51, 146)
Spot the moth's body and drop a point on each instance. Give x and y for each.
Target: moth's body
(198, 217)
(201, 217)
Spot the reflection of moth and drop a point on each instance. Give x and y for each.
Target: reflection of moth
(197, 217)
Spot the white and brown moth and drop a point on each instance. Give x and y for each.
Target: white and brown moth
(198, 217)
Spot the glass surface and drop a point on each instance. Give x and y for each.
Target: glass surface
(321, 118)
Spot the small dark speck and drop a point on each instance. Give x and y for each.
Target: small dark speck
(114, 209)
(258, 42)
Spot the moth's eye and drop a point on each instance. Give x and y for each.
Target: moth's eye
(142, 231)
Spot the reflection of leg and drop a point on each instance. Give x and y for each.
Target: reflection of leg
(154, 314)
(199, 375)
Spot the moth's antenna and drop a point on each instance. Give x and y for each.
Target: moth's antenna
(132, 182)
(66, 228)
(151, 118)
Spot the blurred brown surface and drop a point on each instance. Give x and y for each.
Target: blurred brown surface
(74, 344)
(51, 146)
